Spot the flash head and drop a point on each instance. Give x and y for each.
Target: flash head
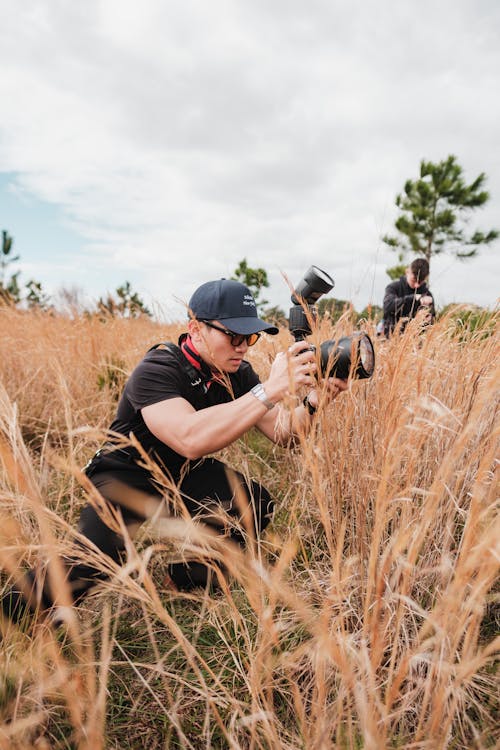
(313, 284)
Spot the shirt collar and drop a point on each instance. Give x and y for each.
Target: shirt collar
(192, 355)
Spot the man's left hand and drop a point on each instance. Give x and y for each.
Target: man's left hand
(334, 386)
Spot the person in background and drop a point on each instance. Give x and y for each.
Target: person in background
(409, 297)
(182, 404)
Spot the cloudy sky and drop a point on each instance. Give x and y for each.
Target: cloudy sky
(162, 142)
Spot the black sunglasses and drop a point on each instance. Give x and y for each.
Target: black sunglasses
(236, 338)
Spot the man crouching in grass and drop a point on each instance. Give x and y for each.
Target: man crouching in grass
(182, 404)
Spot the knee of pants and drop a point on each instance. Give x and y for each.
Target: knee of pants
(213, 480)
(95, 530)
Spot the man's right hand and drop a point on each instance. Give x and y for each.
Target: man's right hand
(291, 370)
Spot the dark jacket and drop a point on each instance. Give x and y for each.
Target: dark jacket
(400, 302)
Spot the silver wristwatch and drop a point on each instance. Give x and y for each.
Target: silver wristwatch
(259, 392)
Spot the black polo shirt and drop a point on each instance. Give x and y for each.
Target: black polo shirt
(158, 377)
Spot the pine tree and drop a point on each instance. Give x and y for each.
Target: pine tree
(11, 292)
(435, 210)
(35, 296)
(9, 287)
(254, 278)
(126, 304)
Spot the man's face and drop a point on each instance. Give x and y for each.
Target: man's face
(215, 347)
(412, 280)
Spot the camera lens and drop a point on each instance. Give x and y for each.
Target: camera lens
(366, 354)
(350, 355)
(336, 358)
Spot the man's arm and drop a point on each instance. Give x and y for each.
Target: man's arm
(391, 302)
(194, 433)
(282, 425)
(396, 306)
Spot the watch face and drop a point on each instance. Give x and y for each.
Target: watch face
(259, 392)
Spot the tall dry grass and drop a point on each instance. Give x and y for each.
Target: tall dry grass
(367, 616)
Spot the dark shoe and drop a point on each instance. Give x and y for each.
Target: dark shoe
(24, 601)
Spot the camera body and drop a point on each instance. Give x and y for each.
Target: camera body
(350, 355)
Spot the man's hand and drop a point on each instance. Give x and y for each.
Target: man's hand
(291, 370)
(334, 386)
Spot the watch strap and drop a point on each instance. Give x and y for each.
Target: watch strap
(259, 393)
(310, 408)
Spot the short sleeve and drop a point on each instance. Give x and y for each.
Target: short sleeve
(156, 378)
(248, 377)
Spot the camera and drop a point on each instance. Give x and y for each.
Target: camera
(350, 355)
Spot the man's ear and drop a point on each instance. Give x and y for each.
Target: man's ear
(194, 329)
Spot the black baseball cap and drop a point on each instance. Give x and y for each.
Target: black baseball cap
(230, 302)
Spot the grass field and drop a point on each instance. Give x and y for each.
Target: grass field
(367, 617)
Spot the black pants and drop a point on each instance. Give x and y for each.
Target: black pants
(206, 490)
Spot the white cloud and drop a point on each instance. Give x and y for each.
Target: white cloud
(181, 137)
